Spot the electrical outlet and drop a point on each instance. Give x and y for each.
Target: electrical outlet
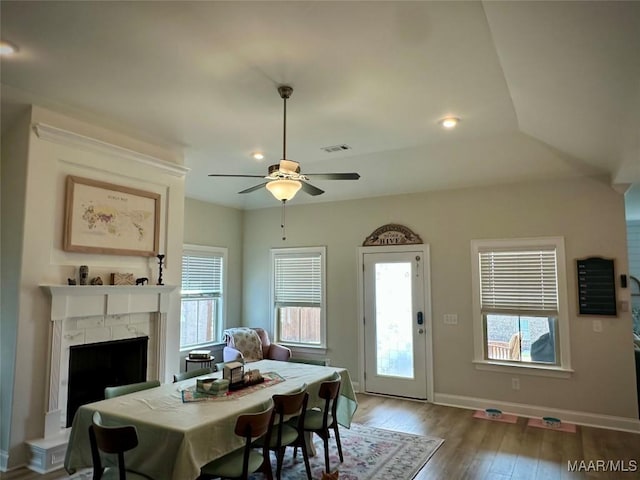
(597, 326)
(451, 318)
(515, 383)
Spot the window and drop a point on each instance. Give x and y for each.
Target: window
(298, 296)
(202, 315)
(520, 312)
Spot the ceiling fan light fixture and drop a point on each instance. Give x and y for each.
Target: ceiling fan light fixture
(7, 49)
(283, 189)
(449, 122)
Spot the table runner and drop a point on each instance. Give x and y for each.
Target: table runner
(190, 394)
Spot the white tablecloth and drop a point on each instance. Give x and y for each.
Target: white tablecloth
(177, 438)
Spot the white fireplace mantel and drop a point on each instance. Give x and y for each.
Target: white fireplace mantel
(93, 306)
(68, 301)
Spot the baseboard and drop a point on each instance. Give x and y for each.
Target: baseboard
(534, 411)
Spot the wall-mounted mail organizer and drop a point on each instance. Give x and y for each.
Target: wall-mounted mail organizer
(596, 286)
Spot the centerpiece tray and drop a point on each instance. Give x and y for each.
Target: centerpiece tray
(243, 384)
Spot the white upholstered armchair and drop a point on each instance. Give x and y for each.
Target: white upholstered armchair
(252, 344)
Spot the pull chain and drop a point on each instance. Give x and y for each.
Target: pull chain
(283, 221)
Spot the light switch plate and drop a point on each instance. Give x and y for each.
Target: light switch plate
(451, 318)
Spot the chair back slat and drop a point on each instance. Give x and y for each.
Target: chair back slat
(253, 425)
(329, 389)
(289, 404)
(178, 377)
(113, 440)
(111, 392)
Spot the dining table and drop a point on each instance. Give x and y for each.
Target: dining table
(180, 430)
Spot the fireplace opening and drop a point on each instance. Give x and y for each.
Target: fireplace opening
(94, 366)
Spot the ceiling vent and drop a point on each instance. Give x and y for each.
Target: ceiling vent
(336, 148)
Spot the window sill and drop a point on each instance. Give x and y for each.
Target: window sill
(305, 349)
(523, 369)
(204, 346)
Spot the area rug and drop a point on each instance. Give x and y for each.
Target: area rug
(369, 454)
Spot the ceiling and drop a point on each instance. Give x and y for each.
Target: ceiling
(543, 89)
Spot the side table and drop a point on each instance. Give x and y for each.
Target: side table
(204, 362)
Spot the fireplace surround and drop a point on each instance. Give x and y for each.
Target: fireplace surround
(92, 314)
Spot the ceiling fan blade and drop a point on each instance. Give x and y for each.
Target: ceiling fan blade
(229, 175)
(310, 189)
(254, 188)
(334, 176)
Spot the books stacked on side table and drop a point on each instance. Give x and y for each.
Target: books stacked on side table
(199, 354)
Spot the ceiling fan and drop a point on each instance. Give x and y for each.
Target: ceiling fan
(284, 179)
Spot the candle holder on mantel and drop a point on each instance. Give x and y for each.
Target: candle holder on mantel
(160, 259)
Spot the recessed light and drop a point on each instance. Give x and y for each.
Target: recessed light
(449, 122)
(258, 155)
(7, 49)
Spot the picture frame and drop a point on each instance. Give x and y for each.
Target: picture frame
(111, 219)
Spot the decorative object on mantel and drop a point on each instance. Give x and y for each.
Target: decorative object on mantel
(160, 259)
(123, 279)
(71, 281)
(110, 219)
(392, 234)
(96, 281)
(83, 273)
(142, 281)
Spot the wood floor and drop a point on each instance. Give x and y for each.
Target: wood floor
(484, 450)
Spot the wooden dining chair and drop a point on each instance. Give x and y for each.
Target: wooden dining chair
(113, 440)
(177, 377)
(110, 392)
(288, 433)
(246, 460)
(322, 421)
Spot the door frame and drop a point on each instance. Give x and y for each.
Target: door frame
(428, 323)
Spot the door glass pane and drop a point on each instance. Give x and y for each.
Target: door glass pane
(394, 318)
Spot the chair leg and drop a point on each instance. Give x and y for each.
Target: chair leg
(266, 467)
(325, 439)
(305, 455)
(335, 429)
(279, 459)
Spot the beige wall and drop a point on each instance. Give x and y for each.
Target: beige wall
(44, 262)
(15, 145)
(587, 212)
(217, 226)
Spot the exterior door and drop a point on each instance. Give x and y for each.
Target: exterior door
(395, 323)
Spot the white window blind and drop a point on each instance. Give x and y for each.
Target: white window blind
(201, 274)
(298, 279)
(519, 282)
